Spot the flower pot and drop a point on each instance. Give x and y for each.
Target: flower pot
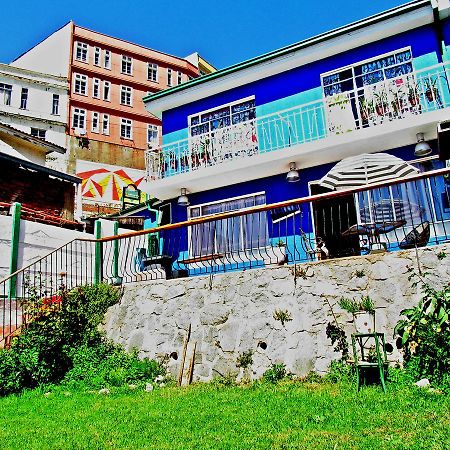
(364, 322)
(431, 94)
(275, 256)
(380, 109)
(413, 100)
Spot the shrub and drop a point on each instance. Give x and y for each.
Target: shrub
(275, 373)
(339, 371)
(352, 306)
(245, 359)
(63, 342)
(425, 336)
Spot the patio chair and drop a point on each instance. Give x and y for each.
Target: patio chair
(417, 237)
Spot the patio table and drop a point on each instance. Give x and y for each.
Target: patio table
(373, 231)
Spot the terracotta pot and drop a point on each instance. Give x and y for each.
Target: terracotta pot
(380, 109)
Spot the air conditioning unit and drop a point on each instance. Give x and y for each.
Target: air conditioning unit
(443, 132)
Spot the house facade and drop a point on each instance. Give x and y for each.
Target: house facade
(35, 103)
(230, 138)
(109, 129)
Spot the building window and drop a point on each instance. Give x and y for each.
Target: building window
(105, 125)
(152, 72)
(232, 235)
(180, 78)
(95, 122)
(55, 105)
(79, 119)
(38, 132)
(81, 52)
(107, 60)
(234, 113)
(381, 68)
(127, 65)
(97, 56)
(6, 93)
(126, 94)
(24, 98)
(96, 88)
(152, 135)
(106, 90)
(126, 129)
(80, 84)
(169, 77)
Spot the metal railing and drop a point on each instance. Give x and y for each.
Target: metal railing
(389, 216)
(407, 95)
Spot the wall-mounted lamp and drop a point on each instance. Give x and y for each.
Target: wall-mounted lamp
(183, 199)
(293, 175)
(422, 147)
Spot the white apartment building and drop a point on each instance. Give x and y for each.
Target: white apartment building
(35, 103)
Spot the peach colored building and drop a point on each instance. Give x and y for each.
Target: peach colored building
(108, 128)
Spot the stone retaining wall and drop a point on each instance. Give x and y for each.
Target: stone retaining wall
(233, 313)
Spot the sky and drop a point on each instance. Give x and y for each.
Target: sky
(224, 33)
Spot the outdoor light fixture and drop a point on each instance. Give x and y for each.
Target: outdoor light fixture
(422, 147)
(292, 176)
(183, 198)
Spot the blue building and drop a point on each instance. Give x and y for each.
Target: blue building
(376, 86)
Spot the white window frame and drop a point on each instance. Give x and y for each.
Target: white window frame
(152, 68)
(81, 113)
(230, 199)
(97, 56)
(84, 50)
(153, 129)
(179, 77)
(107, 59)
(95, 122)
(128, 60)
(107, 84)
(96, 86)
(169, 77)
(82, 80)
(24, 98)
(126, 123)
(55, 111)
(38, 132)
(105, 121)
(126, 91)
(229, 105)
(6, 93)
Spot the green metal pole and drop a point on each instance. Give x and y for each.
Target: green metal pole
(15, 232)
(116, 251)
(98, 252)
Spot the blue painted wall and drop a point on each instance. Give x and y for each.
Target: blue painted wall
(422, 40)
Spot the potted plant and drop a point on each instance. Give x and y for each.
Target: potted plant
(276, 255)
(365, 109)
(413, 95)
(431, 91)
(381, 104)
(363, 312)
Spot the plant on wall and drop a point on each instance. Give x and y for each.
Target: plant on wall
(245, 359)
(353, 306)
(282, 315)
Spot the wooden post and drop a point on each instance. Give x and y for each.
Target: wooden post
(183, 358)
(15, 233)
(98, 252)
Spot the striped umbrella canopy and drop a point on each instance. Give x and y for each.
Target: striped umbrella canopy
(364, 169)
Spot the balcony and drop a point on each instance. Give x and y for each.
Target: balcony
(379, 116)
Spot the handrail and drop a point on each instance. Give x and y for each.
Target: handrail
(297, 201)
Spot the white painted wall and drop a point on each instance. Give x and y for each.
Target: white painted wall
(52, 55)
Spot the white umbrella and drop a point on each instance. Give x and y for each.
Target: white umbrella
(364, 169)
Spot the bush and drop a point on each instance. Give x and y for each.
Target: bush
(425, 336)
(275, 373)
(63, 342)
(339, 371)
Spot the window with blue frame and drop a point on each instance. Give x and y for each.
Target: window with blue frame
(368, 72)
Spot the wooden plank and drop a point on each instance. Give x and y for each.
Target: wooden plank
(183, 358)
(191, 365)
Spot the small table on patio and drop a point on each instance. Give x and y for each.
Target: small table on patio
(373, 232)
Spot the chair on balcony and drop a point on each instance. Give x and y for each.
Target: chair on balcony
(417, 237)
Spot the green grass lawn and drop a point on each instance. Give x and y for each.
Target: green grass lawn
(287, 415)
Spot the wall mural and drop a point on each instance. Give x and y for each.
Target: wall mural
(103, 183)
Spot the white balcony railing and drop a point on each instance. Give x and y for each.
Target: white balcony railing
(397, 98)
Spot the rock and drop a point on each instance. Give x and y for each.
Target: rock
(159, 378)
(104, 391)
(423, 383)
(149, 387)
